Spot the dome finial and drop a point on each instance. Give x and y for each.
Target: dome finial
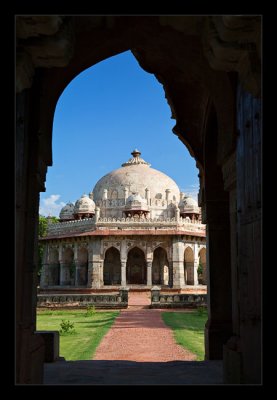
(136, 159)
(136, 153)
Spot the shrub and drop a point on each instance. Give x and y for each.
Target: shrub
(67, 327)
(201, 310)
(90, 311)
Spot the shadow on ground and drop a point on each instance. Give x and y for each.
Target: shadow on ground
(133, 373)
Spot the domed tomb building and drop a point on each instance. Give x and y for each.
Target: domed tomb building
(134, 229)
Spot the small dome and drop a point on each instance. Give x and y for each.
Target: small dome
(67, 212)
(136, 202)
(136, 198)
(188, 206)
(84, 205)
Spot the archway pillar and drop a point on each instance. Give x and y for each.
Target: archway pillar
(232, 356)
(178, 262)
(97, 274)
(149, 272)
(123, 273)
(97, 264)
(195, 265)
(90, 264)
(123, 254)
(78, 273)
(149, 263)
(218, 328)
(44, 277)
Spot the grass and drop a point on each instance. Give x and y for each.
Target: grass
(188, 329)
(89, 329)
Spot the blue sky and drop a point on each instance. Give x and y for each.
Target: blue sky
(102, 115)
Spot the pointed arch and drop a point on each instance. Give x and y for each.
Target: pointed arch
(136, 267)
(188, 266)
(54, 268)
(160, 267)
(112, 267)
(202, 263)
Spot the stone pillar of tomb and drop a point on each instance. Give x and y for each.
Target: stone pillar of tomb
(178, 262)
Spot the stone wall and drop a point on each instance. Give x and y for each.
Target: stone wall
(107, 300)
(177, 300)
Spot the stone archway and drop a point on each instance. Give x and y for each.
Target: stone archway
(197, 60)
(112, 267)
(160, 273)
(136, 267)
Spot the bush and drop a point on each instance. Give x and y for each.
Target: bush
(67, 327)
(201, 310)
(90, 311)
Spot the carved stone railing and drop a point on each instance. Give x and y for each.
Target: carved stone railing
(111, 300)
(159, 300)
(151, 223)
(90, 224)
(83, 225)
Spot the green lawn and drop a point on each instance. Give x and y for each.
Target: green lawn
(188, 328)
(89, 330)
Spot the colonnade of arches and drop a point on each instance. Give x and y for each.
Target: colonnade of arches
(161, 271)
(67, 269)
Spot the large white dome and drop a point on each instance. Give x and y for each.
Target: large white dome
(136, 176)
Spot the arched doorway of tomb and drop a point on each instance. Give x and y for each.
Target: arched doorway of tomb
(160, 267)
(136, 267)
(202, 265)
(54, 268)
(188, 266)
(112, 267)
(67, 268)
(81, 277)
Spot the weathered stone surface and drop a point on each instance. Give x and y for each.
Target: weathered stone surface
(28, 26)
(52, 345)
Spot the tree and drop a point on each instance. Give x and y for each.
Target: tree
(42, 232)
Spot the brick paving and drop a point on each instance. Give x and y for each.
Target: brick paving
(140, 334)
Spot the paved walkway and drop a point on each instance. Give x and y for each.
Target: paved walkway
(140, 334)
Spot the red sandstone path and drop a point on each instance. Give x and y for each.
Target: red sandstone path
(140, 335)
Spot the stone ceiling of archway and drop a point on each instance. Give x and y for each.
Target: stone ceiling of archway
(184, 53)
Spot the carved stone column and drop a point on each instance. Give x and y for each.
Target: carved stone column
(44, 277)
(97, 264)
(149, 273)
(170, 274)
(90, 264)
(78, 273)
(195, 265)
(77, 265)
(96, 283)
(123, 273)
(178, 263)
